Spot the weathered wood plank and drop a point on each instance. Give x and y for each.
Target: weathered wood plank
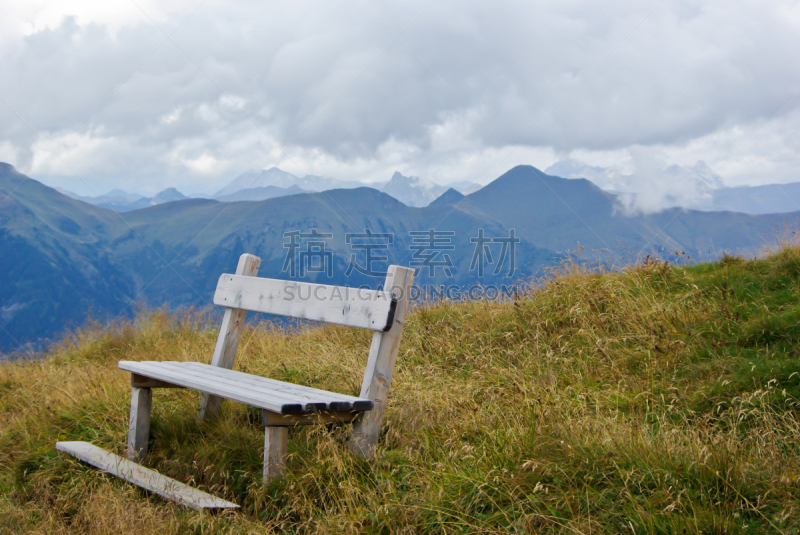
(274, 384)
(354, 307)
(290, 420)
(140, 381)
(209, 381)
(208, 385)
(143, 477)
(380, 365)
(261, 392)
(228, 339)
(176, 370)
(249, 385)
(275, 446)
(139, 423)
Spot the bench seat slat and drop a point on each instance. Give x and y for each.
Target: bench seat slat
(315, 399)
(274, 383)
(248, 387)
(208, 379)
(335, 402)
(207, 383)
(269, 394)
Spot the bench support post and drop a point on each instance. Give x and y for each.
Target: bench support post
(139, 424)
(228, 340)
(275, 445)
(380, 365)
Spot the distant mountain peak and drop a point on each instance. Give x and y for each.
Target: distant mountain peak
(412, 190)
(167, 195)
(7, 168)
(260, 193)
(258, 178)
(122, 193)
(607, 178)
(399, 177)
(465, 186)
(651, 187)
(701, 172)
(451, 196)
(254, 179)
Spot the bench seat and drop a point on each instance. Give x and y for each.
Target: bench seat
(268, 394)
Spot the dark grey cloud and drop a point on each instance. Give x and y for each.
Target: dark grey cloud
(358, 87)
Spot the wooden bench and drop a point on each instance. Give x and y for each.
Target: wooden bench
(283, 404)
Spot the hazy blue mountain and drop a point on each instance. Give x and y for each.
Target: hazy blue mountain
(121, 193)
(115, 195)
(698, 187)
(606, 178)
(451, 196)
(260, 194)
(412, 190)
(56, 261)
(260, 227)
(121, 201)
(258, 178)
(323, 183)
(464, 186)
(556, 213)
(560, 215)
(275, 177)
(768, 199)
(64, 259)
(91, 260)
(699, 179)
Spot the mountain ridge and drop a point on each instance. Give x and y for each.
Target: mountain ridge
(67, 258)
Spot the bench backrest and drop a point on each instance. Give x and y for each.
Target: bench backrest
(382, 311)
(354, 307)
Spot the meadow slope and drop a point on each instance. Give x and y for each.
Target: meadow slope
(659, 399)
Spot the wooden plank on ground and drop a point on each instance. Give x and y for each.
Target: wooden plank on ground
(354, 307)
(144, 477)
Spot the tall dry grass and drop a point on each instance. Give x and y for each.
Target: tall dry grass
(655, 400)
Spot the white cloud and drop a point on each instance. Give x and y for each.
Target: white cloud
(454, 91)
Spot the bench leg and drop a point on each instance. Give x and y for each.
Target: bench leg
(139, 424)
(366, 429)
(275, 443)
(210, 406)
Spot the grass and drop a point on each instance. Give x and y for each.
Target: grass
(659, 399)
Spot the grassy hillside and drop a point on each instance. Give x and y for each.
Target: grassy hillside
(656, 400)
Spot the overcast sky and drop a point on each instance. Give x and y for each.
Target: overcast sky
(131, 94)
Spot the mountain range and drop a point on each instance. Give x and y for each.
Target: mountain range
(121, 201)
(410, 190)
(697, 187)
(259, 185)
(65, 260)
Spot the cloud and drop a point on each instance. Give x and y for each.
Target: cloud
(358, 88)
(655, 186)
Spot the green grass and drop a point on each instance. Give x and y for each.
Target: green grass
(655, 400)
